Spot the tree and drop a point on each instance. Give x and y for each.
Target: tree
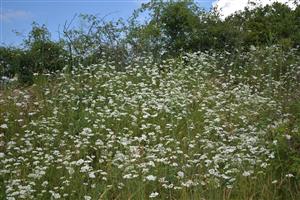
(174, 27)
(9, 61)
(95, 39)
(46, 54)
(264, 26)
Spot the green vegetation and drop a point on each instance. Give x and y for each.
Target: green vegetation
(181, 106)
(172, 28)
(191, 131)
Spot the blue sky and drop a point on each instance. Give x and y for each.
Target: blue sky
(19, 14)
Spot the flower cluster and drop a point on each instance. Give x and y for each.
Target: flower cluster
(97, 132)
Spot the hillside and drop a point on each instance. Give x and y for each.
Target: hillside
(183, 129)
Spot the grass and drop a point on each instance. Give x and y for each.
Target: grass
(191, 132)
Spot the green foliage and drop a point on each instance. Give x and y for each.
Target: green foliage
(180, 24)
(39, 55)
(272, 62)
(263, 26)
(172, 28)
(26, 70)
(46, 55)
(287, 161)
(9, 61)
(37, 34)
(296, 35)
(94, 39)
(189, 132)
(131, 126)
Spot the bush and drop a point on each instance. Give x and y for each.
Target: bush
(47, 56)
(26, 71)
(9, 62)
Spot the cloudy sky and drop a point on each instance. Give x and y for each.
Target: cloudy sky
(17, 15)
(228, 7)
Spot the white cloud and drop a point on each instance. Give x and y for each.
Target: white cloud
(228, 7)
(12, 15)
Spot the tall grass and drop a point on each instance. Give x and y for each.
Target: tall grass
(181, 130)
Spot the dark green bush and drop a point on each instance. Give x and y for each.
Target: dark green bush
(9, 62)
(48, 56)
(25, 72)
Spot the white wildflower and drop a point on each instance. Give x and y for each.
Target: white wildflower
(92, 175)
(151, 178)
(153, 195)
(4, 126)
(2, 155)
(180, 174)
(289, 175)
(288, 137)
(246, 173)
(87, 197)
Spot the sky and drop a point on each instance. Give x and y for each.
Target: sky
(228, 7)
(18, 15)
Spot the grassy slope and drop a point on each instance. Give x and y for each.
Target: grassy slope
(192, 132)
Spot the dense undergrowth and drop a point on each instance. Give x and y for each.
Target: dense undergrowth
(188, 128)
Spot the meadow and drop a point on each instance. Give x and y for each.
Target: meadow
(185, 128)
